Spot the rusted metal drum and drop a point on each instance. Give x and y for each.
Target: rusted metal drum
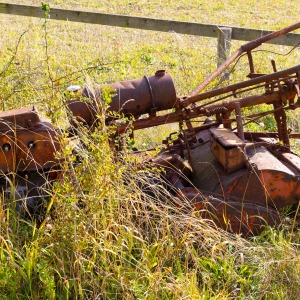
(136, 97)
(139, 96)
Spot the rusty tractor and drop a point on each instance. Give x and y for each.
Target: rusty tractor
(238, 179)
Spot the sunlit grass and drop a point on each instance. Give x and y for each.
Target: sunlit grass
(104, 237)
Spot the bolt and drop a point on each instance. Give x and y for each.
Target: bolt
(6, 147)
(31, 144)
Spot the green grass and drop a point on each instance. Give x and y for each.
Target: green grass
(124, 244)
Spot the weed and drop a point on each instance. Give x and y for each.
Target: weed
(104, 235)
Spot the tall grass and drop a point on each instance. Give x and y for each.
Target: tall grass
(112, 230)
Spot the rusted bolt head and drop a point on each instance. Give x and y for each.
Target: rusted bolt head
(6, 147)
(31, 144)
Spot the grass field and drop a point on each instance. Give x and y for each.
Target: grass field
(123, 245)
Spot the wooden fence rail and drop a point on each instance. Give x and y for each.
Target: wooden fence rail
(207, 30)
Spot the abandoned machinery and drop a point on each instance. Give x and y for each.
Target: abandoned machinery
(236, 178)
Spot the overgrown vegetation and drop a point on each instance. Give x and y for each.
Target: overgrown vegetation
(103, 237)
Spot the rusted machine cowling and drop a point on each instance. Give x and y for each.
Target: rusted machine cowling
(136, 97)
(27, 143)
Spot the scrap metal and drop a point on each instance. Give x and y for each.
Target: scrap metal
(236, 178)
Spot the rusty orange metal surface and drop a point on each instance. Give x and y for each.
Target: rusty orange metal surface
(36, 150)
(26, 142)
(238, 217)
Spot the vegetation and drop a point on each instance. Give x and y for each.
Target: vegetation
(121, 243)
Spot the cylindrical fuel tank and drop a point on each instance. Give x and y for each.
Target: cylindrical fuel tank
(131, 98)
(140, 96)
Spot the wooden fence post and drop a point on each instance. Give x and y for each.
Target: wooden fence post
(224, 43)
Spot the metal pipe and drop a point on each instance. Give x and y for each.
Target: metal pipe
(239, 120)
(231, 88)
(245, 48)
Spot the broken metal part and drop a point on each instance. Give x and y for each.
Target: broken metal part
(214, 159)
(18, 118)
(241, 85)
(264, 179)
(229, 214)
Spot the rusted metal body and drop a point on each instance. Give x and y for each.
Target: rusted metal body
(27, 156)
(26, 142)
(238, 179)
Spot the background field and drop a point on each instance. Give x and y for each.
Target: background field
(131, 53)
(123, 246)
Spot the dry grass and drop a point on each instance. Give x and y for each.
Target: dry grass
(122, 243)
